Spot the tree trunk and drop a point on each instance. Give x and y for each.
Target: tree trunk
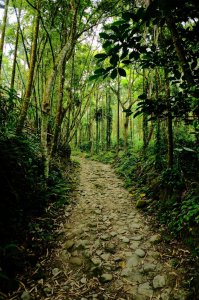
(58, 118)
(180, 50)
(118, 116)
(15, 52)
(64, 55)
(169, 122)
(3, 35)
(26, 99)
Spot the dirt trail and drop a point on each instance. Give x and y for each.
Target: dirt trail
(109, 250)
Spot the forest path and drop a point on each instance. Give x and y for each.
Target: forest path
(109, 251)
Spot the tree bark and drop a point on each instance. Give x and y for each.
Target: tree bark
(3, 35)
(169, 123)
(15, 53)
(28, 91)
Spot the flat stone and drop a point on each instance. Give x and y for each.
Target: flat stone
(113, 233)
(159, 281)
(69, 244)
(122, 230)
(96, 261)
(126, 272)
(105, 237)
(110, 247)
(137, 238)
(125, 240)
(148, 267)
(76, 261)
(105, 256)
(140, 253)
(56, 271)
(83, 280)
(134, 226)
(82, 244)
(155, 239)
(134, 245)
(106, 277)
(145, 289)
(132, 261)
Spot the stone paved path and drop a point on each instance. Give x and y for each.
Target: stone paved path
(109, 251)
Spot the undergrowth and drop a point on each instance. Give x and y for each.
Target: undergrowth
(28, 206)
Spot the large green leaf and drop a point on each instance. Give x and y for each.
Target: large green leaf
(114, 74)
(101, 56)
(122, 72)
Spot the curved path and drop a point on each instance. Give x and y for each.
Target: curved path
(109, 250)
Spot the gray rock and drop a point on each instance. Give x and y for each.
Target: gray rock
(76, 261)
(25, 296)
(110, 247)
(105, 256)
(56, 272)
(96, 261)
(145, 289)
(126, 272)
(137, 238)
(134, 245)
(155, 239)
(69, 244)
(125, 240)
(122, 230)
(132, 261)
(106, 277)
(135, 226)
(159, 281)
(140, 253)
(105, 237)
(83, 280)
(148, 267)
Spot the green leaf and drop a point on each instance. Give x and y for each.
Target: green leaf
(114, 59)
(114, 74)
(126, 61)
(104, 35)
(107, 44)
(122, 72)
(142, 97)
(94, 77)
(100, 71)
(134, 55)
(101, 56)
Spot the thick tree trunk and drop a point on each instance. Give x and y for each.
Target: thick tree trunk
(58, 118)
(3, 35)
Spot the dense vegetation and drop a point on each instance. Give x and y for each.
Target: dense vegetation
(116, 79)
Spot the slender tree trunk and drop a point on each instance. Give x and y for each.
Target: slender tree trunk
(169, 122)
(28, 91)
(144, 120)
(3, 35)
(15, 53)
(118, 116)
